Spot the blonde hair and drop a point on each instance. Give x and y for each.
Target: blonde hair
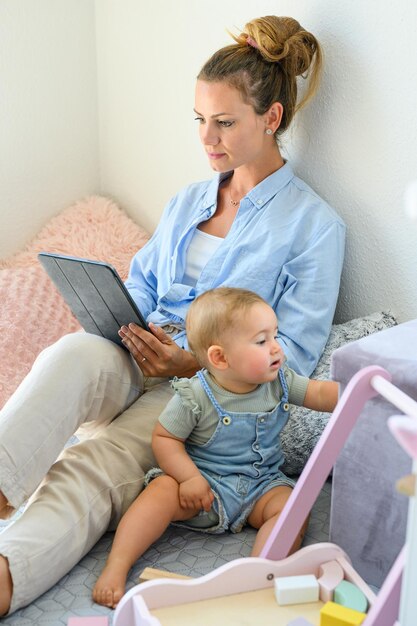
(264, 64)
(213, 314)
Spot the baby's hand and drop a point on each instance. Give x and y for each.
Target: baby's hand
(195, 493)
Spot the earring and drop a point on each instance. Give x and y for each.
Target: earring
(269, 131)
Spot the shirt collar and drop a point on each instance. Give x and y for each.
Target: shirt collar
(212, 190)
(270, 186)
(259, 195)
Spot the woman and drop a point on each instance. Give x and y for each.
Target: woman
(255, 226)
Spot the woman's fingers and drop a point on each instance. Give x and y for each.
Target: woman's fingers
(160, 334)
(138, 343)
(156, 353)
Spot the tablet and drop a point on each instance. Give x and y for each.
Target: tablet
(95, 294)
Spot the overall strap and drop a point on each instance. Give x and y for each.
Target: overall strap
(284, 385)
(209, 393)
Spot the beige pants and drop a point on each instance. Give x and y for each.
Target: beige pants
(80, 379)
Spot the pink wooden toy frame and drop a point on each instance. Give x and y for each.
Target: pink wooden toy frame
(249, 574)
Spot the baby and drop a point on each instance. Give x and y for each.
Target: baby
(217, 442)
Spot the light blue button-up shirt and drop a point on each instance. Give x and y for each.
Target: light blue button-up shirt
(285, 243)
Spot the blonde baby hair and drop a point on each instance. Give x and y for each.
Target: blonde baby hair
(214, 314)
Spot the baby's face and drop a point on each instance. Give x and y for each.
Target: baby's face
(253, 352)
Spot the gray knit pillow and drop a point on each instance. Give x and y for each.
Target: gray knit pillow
(304, 427)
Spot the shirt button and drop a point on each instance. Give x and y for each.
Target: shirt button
(259, 202)
(226, 420)
(286, 406)
(257, 446)
(262, 419)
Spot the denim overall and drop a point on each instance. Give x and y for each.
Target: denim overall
(240, 461)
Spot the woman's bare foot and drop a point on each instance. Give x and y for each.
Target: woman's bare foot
(6, 586)
(111, 584)
(6, 510)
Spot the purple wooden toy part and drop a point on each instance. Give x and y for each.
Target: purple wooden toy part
(330, 575)
(404, 429)
(320, 463)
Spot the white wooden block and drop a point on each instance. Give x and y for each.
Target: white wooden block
(296, 589)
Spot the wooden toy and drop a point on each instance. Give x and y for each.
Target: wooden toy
(296, 589)
(242, 590)
(330, 575)
(299, 621)
(88, 621)
(404, 429)
(347, 594)
(150, 573)
(333, 614)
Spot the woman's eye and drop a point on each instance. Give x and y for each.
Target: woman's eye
(199, 119)
(225, 123)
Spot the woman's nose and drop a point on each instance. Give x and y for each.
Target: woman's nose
(208, 135)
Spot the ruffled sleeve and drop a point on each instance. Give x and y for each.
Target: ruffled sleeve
(182, 413)
(183, 387)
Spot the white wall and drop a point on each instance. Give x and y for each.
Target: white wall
(48, 112)
(356, 144)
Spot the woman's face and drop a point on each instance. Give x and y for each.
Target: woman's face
(231, 132)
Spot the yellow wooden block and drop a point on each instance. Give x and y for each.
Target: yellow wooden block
(333, 614)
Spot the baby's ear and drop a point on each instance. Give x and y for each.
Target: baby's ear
(217, 358)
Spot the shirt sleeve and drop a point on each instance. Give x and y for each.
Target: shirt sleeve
(142, 281)
(297, 386)
(309, 285)
(182, 413)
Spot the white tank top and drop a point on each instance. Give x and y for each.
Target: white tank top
(201, 249)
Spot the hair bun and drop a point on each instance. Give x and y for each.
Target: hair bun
(281, 39)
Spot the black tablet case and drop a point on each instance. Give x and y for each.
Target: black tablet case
(94, 292)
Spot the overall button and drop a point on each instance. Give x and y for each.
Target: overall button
(286, 406)
(262, 419)
(226, 420)
(256, 446)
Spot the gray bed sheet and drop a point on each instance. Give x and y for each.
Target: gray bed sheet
(181, 551)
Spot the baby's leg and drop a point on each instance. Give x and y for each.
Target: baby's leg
(142, 524)
(266, 512)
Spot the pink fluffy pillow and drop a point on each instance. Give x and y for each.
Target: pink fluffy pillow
(33, 313)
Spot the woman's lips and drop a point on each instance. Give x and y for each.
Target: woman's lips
(215, 155)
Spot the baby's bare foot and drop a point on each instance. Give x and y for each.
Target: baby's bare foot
(110, 586)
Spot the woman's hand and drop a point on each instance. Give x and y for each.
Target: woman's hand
(156, 353)
(196, 493)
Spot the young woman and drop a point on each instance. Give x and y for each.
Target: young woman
(256, 226)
